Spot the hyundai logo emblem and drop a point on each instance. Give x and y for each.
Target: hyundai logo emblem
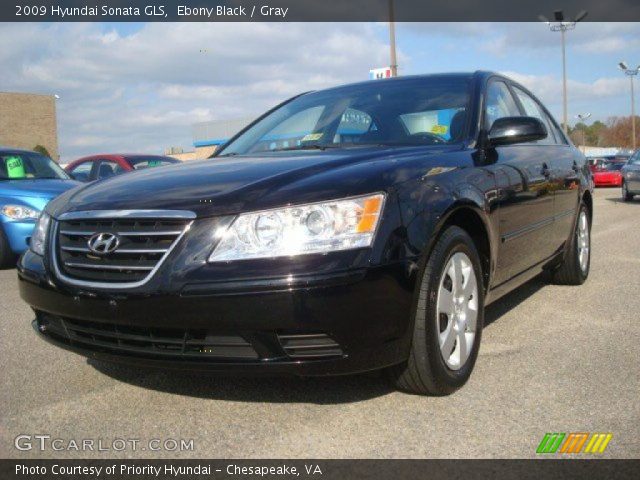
(103, 243)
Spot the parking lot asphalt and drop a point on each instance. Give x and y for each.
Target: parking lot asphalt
(553, 359)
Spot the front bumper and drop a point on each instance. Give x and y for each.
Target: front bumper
(321, 324)
(19, 235)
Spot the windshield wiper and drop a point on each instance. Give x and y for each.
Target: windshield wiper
(230, 154)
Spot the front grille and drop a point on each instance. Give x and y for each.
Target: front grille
(301, 346)
(143, 244)
(148, 342)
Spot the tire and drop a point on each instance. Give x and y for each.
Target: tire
(573, 270)
(626, 196)
(7, 258)
(426, 371)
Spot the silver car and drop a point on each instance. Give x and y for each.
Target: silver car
(631, 177)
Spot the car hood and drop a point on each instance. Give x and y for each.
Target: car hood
(35, 188)
(225, 185)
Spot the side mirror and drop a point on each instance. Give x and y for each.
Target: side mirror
(510, 130)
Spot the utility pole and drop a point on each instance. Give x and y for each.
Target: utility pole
(392, 41)
(560, 25)
(631, 73)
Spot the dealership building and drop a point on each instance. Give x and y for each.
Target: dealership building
(28, 120)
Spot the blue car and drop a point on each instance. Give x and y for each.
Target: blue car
(28, 181)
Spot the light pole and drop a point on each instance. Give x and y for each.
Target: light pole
(392, 41)
(582, 117)
(631, 73)
(560, 25)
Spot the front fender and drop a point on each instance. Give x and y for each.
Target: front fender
(430, 205)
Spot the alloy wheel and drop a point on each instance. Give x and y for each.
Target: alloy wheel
(457, 310)
(583, 241)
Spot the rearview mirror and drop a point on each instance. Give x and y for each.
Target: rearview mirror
(510, 130)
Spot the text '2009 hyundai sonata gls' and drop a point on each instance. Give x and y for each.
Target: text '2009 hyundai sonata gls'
(356, 228)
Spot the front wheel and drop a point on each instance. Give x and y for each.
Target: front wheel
(574, 269)
(626, 196)
(448, 319)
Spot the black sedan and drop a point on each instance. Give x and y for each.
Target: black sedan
(356, 228)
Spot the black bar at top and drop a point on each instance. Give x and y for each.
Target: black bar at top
(314, 10)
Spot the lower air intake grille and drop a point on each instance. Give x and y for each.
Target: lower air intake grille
(149, 342)
(310, 345)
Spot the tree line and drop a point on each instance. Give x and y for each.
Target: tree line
(614, 132)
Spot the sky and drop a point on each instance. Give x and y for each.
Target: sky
(136, 87)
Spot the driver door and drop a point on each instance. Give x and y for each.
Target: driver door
(525, 198)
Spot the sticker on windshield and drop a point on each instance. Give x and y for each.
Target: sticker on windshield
(154, 163)
(15, 167)
(439, 129)
(311, 137)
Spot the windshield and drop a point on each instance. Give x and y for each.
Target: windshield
(29, 166)
(420, 111)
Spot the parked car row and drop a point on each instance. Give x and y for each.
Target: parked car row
(99, 167)
(29, 180)
(607, 170)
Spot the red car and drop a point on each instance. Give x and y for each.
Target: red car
(97, 167)
(607, 174)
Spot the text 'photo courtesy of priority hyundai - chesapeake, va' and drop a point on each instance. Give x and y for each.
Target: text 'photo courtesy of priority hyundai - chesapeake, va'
(332, 232)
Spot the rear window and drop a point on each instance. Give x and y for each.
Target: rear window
(140, 163)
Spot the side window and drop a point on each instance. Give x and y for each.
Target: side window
(499, 103)
(447, 123)
(533, 109)
(82, 172)
(353, 124)
(109, 169)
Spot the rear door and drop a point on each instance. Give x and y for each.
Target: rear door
(564, 165)
(524, 194)
(631, 173)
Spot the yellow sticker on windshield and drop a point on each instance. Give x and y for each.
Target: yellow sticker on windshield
(311, 137)
(439, 129)
(15, 167)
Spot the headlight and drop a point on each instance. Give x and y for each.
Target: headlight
(39, 236)
(19, 212)
(302, 229)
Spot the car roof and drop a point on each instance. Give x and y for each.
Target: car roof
(413, 78)
(14, 150)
